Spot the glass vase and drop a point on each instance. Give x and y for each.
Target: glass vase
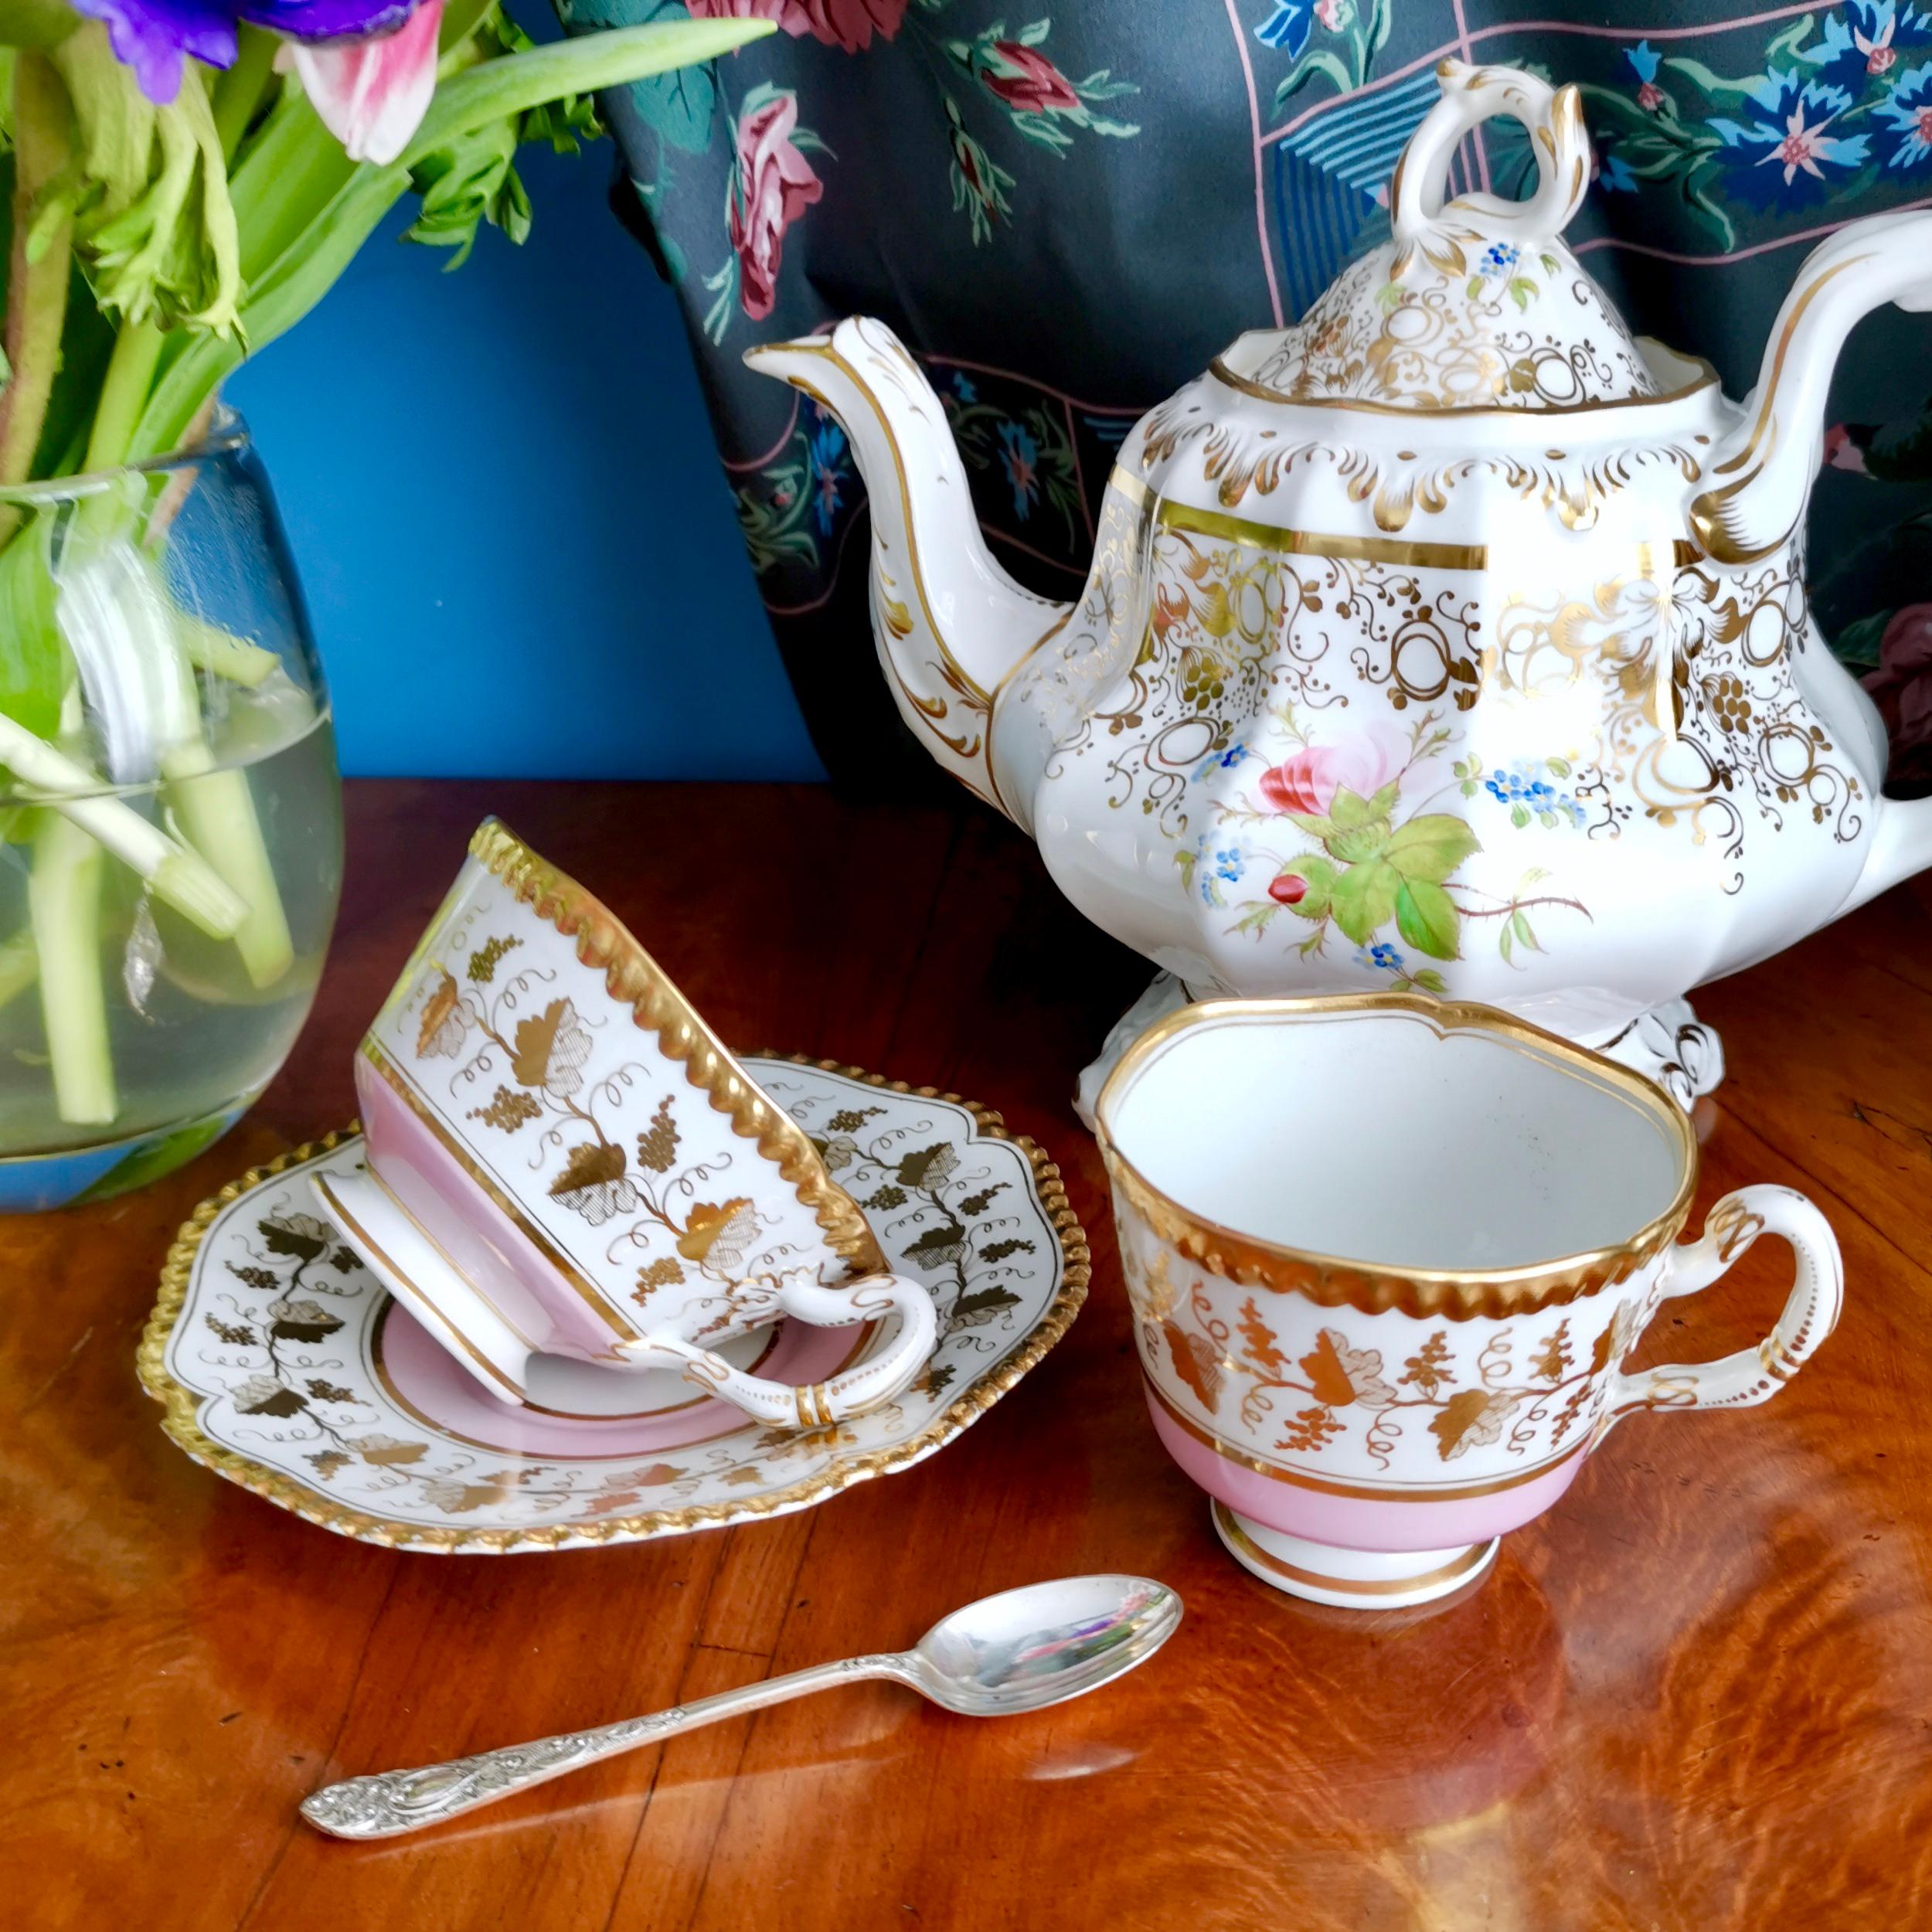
(171, 847)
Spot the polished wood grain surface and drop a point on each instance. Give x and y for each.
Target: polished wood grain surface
(1697, 1695)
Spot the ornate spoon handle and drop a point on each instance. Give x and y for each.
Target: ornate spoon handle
(387, 1803)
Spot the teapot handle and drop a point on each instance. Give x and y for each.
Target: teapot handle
(1470, 97)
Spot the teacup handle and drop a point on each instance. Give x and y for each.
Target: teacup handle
(851, 1391)
(1751, 1375)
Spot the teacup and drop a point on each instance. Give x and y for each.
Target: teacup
(1387, 1256)
(562, 1160)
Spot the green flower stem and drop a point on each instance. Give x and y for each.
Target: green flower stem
(38, 271)
(123, 391)
(63, 896)
(217, 815)
(239, 92)
(20, 967)
(307, 266)
(72, 792)
(209, 648)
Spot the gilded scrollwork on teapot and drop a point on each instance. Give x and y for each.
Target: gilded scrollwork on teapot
(1392, 332)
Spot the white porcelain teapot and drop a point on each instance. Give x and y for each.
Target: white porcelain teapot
(1450, 641)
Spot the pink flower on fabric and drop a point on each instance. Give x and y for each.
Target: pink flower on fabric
(1903, 683)
(775, 186)
(1309, 781)
(1035, 86)
(372, 95)
(849, 24)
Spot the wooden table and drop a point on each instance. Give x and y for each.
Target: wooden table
(1699, 1694)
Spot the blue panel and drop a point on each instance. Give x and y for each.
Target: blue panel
(502, 490)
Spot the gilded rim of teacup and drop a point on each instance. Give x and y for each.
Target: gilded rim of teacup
(181, 1405)
(633, 976)
(1335, 1281)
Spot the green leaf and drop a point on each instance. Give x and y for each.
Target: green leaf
(1347, 808)
(1427, 917)
(1312, 823)
(1519, 816)
(33, 658)
(1362, 842)
(317, 253)
(1521, 291)
(1558, 767)
(1430, 848)
(681, 107)
(1431, 980)
(1520, 925)
(1363, 898)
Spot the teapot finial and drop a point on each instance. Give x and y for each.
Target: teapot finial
(1471, 95)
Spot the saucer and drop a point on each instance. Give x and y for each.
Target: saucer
(284, 1365)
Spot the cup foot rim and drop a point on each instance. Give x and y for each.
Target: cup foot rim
(1348, 1579)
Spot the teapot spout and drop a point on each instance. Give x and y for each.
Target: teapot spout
(950, 623)
(1762, 472)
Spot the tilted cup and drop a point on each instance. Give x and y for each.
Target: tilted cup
(561, 1159)
(1387, 1256)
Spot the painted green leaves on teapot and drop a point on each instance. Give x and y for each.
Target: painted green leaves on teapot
(1375, 870)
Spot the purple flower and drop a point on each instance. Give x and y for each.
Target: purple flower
(151, 36)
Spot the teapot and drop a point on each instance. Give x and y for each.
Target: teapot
(1452, 642)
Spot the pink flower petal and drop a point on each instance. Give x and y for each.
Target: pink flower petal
(371, 94)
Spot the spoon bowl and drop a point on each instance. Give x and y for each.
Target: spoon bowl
(1025, 1649)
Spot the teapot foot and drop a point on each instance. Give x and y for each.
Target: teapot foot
(1669, 1044)
(1673, 1046)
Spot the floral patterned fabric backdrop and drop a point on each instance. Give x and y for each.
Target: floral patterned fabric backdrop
(1066, 213)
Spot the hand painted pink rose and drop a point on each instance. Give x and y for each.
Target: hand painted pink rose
(849, 24)
(1363, 763)
(775, 186)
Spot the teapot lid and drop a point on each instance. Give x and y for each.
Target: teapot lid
(1473, 303)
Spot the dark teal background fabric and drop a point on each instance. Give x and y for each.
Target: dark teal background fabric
(1066, 213)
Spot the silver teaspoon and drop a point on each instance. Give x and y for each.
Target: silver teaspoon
(1020, 1651)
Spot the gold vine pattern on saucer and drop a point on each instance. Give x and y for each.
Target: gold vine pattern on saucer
(181, 1405)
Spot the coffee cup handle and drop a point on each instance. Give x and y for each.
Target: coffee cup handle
(850, 1392)
(1754, 1375)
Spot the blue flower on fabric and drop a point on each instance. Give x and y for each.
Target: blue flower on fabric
(827, 451)
(1908, 116)
(1645, 60)
(1287, 28)
(1019, 456)
(964, 387)
(1384, 959)
(1615, 174)
(1781, 159)
(1865, 43)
